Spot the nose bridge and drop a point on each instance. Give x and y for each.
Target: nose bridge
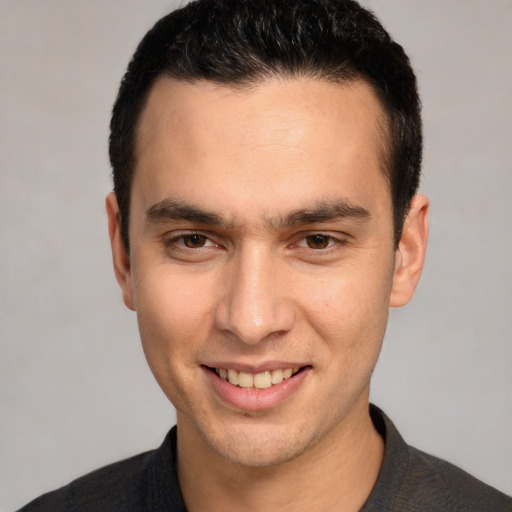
(254, 306)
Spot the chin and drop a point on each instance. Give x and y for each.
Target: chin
(259, 445)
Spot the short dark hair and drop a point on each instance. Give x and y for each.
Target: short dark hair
(241, 42)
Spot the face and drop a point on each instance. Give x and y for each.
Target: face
(261, 246)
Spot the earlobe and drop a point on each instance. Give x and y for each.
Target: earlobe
(410, 255)
(120, 257)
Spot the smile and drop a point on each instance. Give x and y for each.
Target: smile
(262, 380)
(256, 389)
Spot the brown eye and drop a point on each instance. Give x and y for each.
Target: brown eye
(194, 241)
(318, 241)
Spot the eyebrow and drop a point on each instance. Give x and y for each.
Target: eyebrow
(322, 211)
(325, 211)
(171, 210)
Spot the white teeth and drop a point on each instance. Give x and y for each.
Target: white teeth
(245, 380)
(277, 376)
(233, 377)
(262, 380)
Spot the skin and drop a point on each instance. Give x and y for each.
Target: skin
(294, 265)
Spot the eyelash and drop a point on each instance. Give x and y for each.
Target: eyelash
(176, 242)
(331, 241)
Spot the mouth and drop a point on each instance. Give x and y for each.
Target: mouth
(259, 390)
(261, 380)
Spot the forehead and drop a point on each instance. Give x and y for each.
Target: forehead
(289, 137)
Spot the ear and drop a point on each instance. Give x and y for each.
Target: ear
(120, 257)
(410, 255)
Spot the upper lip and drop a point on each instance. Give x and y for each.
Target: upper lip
(255, 367)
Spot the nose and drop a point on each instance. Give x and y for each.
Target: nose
(254, 306)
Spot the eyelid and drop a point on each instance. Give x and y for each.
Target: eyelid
(332, 241)
(334, 250)
(334, 237)
(173, 237)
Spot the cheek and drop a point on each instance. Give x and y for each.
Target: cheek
(350, 311)
(174, 315)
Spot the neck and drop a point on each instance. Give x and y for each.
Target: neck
(336, 473)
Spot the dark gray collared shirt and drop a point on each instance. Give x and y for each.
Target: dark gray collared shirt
(409, 481)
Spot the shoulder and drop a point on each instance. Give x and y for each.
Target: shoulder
(118, 486)
(141, 483)
(413, 481)
(435, 481)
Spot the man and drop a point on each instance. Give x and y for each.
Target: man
(266, 159)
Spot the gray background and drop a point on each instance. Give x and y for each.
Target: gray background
(75, 390)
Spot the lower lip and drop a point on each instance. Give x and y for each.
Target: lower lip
(254, 399)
